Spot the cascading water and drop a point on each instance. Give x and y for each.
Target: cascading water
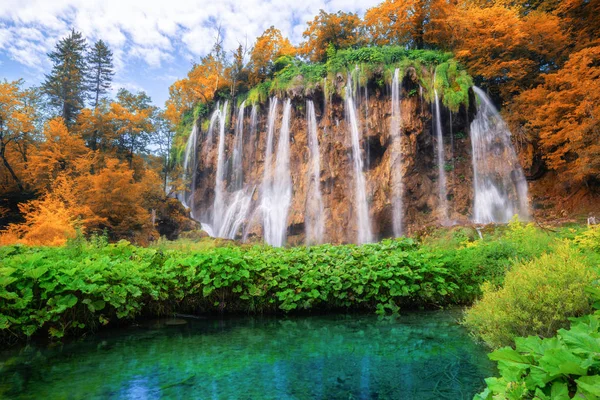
(314, 214)
(498, 179)
(211, 127)
(365, 234)
(219, 206)
(443, 200)
(189, 169)
(253, 137)
(277, 189)
(238, 146)
(396, 159)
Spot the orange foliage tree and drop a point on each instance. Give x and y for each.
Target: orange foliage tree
(50, 220)
(61, 153)
(340, 30)
(16, 127)
(563, 114)
(411, 23)
(507, 50)
(268, 47)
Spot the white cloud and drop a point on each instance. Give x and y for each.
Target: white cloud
(155, 32)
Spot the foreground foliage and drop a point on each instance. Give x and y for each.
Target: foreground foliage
(79, 287)
(562, 367)
(538, 297)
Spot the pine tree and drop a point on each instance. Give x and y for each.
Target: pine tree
(100, 72)
(65, 85)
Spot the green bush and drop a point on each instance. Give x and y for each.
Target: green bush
(560, 368)
(538, 297)
(77, 288)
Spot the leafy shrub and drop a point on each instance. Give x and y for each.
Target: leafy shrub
(563, 367)
(538, 297)
(79, 287)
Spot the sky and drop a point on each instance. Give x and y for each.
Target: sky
(154, 42)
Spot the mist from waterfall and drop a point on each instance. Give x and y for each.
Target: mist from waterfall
(365, 234)
(499, 183)
(314, 214)
(277, 185)
(396, 158)
(442, 190)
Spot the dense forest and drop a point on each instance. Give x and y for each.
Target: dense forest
(76, 160)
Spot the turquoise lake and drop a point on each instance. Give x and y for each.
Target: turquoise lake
(420, 355)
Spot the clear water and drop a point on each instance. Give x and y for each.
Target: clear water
(417, 356)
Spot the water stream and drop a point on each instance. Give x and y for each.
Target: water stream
(365, 234)
(314, 215)
(277, 183)
(396, 156)
(498, 179)
(441, 162)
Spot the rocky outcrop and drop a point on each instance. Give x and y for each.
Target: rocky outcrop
(418, 163)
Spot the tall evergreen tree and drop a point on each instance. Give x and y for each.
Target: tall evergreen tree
(65, 85)
(100, 72)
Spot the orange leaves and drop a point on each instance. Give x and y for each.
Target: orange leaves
(61, 153)
(411, 23)
(340, 30)
(49, 221)
(564, 112)
(268, 47)
(506, 49)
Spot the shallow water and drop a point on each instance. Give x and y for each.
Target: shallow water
(424, 355)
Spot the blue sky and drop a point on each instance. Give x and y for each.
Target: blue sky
(154, 41)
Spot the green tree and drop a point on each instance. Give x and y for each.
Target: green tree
(65, 85)
(100, 72)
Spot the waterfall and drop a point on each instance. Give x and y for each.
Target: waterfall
(238, 147)
(365, 234)
(211, 127)
(189, 169)
(253, 137)
(313, 217)
(396, 159)
(441, 161)
(498, 179)
(277, 189)
(219, 205)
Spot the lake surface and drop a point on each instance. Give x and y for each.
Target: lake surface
(424, 355)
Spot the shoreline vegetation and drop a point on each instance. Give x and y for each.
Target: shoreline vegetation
(524, 285)
(89, 283)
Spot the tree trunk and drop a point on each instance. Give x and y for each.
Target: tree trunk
(9, 168)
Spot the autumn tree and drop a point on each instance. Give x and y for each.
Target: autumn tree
(16, 125)
(268, 47)
(131, 117)
(340, 30)
(563, 113)
(62, 153)
(100, 72)
(508, 51)
(410, 23)
(65, 86)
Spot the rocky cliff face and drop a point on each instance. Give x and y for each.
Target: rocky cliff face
(373, 105)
